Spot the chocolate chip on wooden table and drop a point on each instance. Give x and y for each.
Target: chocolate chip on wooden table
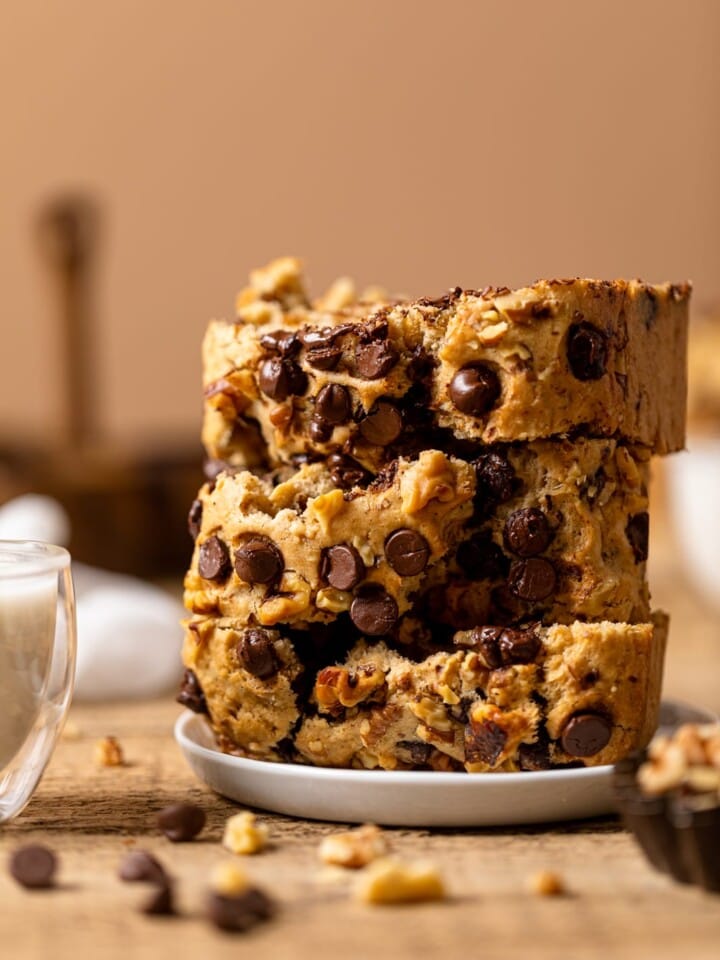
(161, 902)
(480, 558)
(333, 403)
(259, 561)
(194, 519)
(475, 389)
(213, 559)
(585, 734)
(532, 579)
(256, 652)
(638, 533)
(382, 425)
(407, 552)
(281, 378)
(181, 821)
(139, 866)
(495, 477)
(527, 532)
(587, 351)
(374, 612)
(341, 566)
(33, 866)
(191, 694)
(240, 912)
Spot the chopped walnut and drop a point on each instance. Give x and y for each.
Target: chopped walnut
(334, 600)
(392, 881)
(338, 687)
(354, 848)
(432, 714)
(689, 758)
(229, 880)
(244, 835)
(326, 507)
(546, 883)
(108, 753)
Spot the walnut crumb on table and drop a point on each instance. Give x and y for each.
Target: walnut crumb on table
(244, 835)
(546, 883)
(109, 753)
(393, 881)
(354, 848)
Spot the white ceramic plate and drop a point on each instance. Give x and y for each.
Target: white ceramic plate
(406, 798)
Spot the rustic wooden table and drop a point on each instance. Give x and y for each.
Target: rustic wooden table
(617, 906)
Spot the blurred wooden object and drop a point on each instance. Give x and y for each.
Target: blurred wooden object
(127, 506)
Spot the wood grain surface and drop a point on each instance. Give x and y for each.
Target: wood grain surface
(617, 906)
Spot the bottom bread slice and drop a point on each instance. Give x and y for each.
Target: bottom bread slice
(501, 699)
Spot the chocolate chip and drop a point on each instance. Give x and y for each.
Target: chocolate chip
(333, 403)
(587, 351)
(382, 425)
(195, 518)
(518, 645)
(281, 342)
(181, 821)
(213, 559)
(419, 752)
(346, 472)
(485, 640)
(342, 567)
(33, 867)
(320, 430)
(585, 734)
(374, 612)
(480, 558)
(259, 561)
(484, 742)
(532, 579)
(256, 652)
(475, 389)
(323, 357)
(638, 533)
(191, 694)
(139, 866)
(407, 552)
(240, 912)
(527, 532)
(375, 359)
(282, 378)
(161, 902)
(495, 477)
(535, 756)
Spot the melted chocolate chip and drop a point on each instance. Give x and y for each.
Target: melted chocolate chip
(587, 351)
(191, 694)
(256, 653)
(532, 579)
(320, 430)
(259, 561)
(346, 472)
(638, 533)
(323, 356)
(484, 742)
(585, 734)
(480, 558)
(342, 567)
(213, 559)
(407, 552)
(535, 756)
(33, 866)
(382, 425)
(518, 645)
(282, 378)
(333, 403)
(181, 821)
(375, 359)
(195, 518)
(527, 532)
(419, 752)
(475, 389)
(495, 477)
(374, 612)
(280, 342)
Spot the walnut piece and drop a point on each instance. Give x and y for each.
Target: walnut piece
(229, 880)
(244, 835)
(393, 881)
(546, 883)
(338, 687)
(354, 848)
(108, 753)
(689, 758)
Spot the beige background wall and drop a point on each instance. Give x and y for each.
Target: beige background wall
(416, 144)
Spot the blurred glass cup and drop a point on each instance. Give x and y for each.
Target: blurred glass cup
(37, 663)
